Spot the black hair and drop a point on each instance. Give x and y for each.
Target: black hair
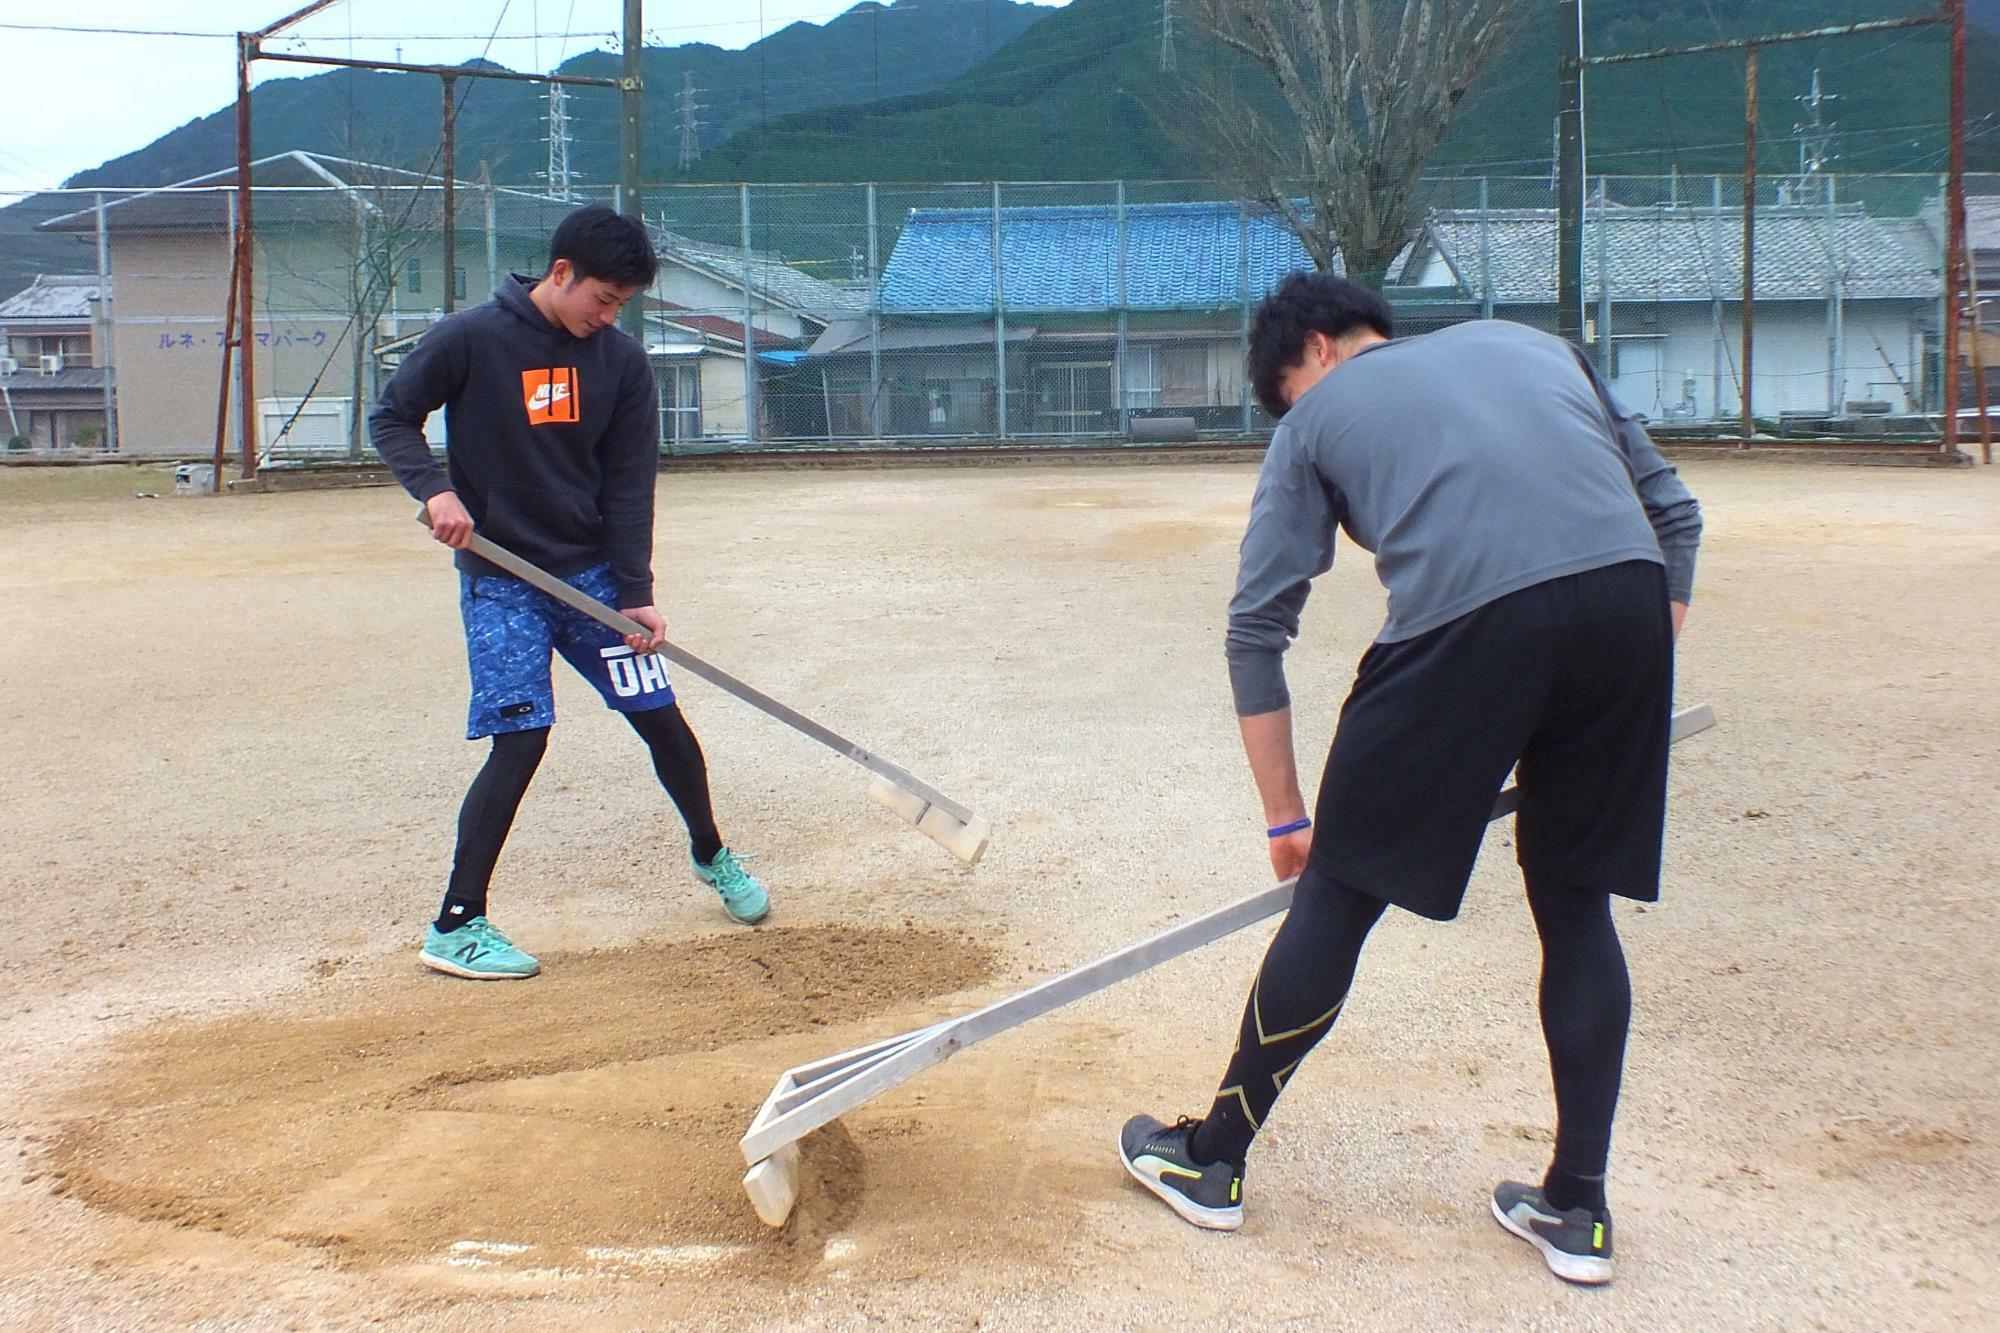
(601, 243)
(1307, 302)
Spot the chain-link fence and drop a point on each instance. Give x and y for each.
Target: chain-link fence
(958, 315)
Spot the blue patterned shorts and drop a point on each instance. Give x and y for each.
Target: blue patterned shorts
(510, 630)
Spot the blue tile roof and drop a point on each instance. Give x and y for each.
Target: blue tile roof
(1057, 259)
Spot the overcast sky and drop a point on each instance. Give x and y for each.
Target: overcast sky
(78, 99)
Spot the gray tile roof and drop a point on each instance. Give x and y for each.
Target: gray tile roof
(770, 276)
(29, 380)
(53, 298)
(1683, 254)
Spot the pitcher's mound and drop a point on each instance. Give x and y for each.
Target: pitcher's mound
(586, 1119)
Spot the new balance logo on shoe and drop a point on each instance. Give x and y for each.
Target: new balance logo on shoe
(476, 950)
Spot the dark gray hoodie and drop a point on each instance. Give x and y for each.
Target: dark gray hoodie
(552, 442)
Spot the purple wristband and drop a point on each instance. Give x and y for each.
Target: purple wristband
(1292, 827)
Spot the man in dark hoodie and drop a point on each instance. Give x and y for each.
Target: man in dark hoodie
(552, 438)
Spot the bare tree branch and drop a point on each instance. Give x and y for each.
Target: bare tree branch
(1368, 97)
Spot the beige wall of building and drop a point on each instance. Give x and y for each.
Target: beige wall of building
(172, 296)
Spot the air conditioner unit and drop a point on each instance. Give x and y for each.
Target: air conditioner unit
(52, 364)
(9, 366)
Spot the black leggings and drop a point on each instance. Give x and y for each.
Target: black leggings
(495, 795)
(1586, 1002)
(678, 760)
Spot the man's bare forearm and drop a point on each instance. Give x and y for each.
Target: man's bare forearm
(1267, 741)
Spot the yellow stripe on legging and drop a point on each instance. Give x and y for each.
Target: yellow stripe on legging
(1257, 1014)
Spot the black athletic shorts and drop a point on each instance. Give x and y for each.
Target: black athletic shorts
(1573, 680)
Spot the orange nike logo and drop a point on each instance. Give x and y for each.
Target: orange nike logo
(551, 395)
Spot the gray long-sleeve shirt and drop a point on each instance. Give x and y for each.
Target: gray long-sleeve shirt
(1473, 462)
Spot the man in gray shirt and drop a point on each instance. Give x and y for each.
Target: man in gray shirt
(1539, 556)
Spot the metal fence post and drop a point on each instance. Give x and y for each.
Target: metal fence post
(1243, 293)
(1949, 270)
(109, 444)
(1749, 306)
(450, 296)
(1570, 169)
(1118, 395)
(1716, 343)
(1605, 281)
(493, 239)
(999, 322)
(359, 288)
(749, 328)
(1835, 353)
(877, 416)
(1485, 252)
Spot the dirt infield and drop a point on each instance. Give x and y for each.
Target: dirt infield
(602, 1102)
(232, 762)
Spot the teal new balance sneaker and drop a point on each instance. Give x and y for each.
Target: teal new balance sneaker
(743, 897)
(476, 950)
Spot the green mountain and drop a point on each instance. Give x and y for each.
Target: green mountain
(871, 52)
(1082, 94)
(928, 90)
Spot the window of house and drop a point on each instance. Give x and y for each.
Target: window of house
(458, 282)
(680, 402)
(413, 275)
(1184, 375)
(74, 349)
(1165, 375)
(1139, 377)
(1073, 397)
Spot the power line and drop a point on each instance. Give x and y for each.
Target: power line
(307, 37)
(112, 32)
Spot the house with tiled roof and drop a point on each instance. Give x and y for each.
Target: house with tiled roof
(704, 299)
(1982, 236)
(1847, 302)
(350, 273)
(350, 257)
(54, 389)
(1112, 313)
(1109, 314)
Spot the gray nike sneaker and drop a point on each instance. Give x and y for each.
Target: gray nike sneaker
(1157, 1155)
(1575, 1244)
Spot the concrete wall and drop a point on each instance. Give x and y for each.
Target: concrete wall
(701, 293)
(172, 295)
(1874, 352)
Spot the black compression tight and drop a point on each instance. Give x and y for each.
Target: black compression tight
(677, 758)
(495, 795)
(485, 818)
(1586, 1004)
(1586, 999)
(1293, 1002)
